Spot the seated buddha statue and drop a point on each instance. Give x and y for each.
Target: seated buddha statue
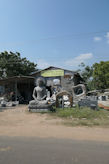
(40, 95)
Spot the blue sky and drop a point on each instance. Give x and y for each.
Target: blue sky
(62, 33)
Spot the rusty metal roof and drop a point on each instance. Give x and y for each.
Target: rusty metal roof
(15, 78)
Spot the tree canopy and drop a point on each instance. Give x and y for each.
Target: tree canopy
(96, 76)
(11, 64)
(101, 75)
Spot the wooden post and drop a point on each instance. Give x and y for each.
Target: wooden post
(16, 90)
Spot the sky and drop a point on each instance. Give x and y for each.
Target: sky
(61, 33)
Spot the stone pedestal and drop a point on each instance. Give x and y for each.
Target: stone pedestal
(40, 108)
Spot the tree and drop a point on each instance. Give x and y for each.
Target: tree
(11, 64)
(87, 75)
(101, 75)
(96, 76)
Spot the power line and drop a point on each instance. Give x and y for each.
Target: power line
(75, 35)
(71, 36)
(65, 37)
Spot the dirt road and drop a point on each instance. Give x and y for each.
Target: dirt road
(33, 150)
(19, 122)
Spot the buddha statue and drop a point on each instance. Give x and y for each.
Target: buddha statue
(40, 102)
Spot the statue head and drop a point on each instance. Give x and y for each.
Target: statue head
(40, 81)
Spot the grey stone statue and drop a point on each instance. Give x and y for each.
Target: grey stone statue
(39, 94)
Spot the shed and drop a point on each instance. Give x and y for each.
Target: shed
(22, 86)
(67, 78)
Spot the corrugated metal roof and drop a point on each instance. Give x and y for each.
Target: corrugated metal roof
(50, 68)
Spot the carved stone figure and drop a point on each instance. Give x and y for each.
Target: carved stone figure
(40, 102)
(61, 95)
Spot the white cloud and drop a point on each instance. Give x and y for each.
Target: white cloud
(42, 64)
(79, 59)
(107, 36)
(97, 38)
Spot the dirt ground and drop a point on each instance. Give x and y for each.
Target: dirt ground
(19, 122)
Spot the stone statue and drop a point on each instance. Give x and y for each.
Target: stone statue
(40, 102)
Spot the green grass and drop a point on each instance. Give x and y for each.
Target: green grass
(83, 117)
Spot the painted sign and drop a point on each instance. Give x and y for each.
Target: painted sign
(52, 73)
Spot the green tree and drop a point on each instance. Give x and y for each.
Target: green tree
(11, 64)
(101, 75)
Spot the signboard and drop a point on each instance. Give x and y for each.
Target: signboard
(52, 73)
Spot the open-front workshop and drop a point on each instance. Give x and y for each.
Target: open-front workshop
(20, 88)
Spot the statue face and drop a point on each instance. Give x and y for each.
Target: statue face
(40, 82)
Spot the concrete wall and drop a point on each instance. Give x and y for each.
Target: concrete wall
(67, 84)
